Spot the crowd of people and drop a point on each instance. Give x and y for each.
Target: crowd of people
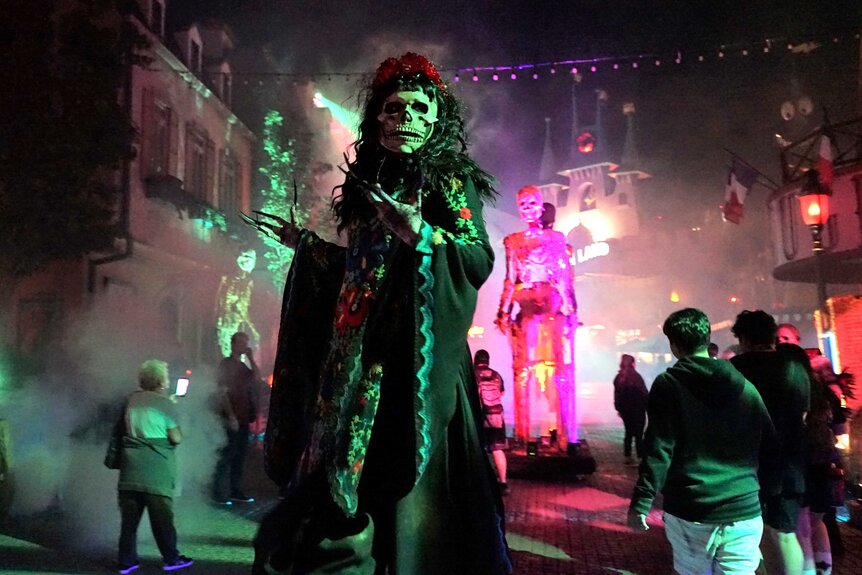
(743, 450)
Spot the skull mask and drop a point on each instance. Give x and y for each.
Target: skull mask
(407, 120)
(530, 206)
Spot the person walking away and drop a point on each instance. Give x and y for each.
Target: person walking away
(784, 385)
(702, 446)
(237, 388)
(491, 391)
(821, 458)
(630, 401)
(148, 470)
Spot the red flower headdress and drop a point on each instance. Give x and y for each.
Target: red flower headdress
(409, 64)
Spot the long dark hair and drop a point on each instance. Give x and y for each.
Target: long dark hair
(442, 156)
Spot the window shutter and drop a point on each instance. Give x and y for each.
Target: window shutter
(174, 145)
(209, 192)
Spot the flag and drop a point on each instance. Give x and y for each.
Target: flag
(824, 162)
(739, 181)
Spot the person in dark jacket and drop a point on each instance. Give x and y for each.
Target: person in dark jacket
(148, 469)
(630, 401)
(785, 387)
(237, 391)
(702, 447)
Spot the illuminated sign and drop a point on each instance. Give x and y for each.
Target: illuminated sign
(591, 251)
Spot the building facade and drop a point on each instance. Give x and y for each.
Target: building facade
(155, 294)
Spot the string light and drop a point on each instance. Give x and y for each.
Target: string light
(742, 49)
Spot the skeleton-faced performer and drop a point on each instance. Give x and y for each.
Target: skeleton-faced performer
(373, 430)
(541, 327)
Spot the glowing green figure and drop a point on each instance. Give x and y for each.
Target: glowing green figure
(234, 297)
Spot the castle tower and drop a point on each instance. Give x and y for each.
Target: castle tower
(601, 195)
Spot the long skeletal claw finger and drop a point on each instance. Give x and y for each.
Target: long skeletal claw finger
(278, 219)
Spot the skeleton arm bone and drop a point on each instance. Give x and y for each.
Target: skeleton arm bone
(504, 310)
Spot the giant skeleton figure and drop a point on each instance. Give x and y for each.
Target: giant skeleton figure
(541, 328)
(373, 431)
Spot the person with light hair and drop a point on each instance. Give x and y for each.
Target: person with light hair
(148, 469)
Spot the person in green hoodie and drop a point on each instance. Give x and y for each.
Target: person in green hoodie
(701, 450)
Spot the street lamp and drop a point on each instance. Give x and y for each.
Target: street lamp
(814, 205)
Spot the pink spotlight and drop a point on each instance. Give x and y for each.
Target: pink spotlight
(495, 77)
(513, 76)
(475, 77)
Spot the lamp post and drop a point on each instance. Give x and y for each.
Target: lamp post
(814, 205)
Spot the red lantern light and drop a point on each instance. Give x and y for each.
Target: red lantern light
(814, 208)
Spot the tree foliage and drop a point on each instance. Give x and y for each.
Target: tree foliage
(64, 128)
(284, 183)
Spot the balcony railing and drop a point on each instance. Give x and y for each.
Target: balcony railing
(802, 155)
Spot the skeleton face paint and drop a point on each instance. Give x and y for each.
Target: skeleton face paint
(407, 120)
(530, 207)
(247, 260)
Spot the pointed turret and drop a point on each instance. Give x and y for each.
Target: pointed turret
(630, 157)
(547, 170)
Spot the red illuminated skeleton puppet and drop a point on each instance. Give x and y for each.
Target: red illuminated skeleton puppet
(371, 432)
(540, 328)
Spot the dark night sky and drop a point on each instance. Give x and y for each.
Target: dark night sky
(686, 113)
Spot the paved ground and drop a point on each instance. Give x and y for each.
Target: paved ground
(554, 528)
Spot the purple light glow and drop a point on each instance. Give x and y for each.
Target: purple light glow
(495, 77)
(475, 77)
(574, 70)
(513, 76)
(535, 76)
(592, 68)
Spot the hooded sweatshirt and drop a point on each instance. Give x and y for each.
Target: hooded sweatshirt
(702, 445)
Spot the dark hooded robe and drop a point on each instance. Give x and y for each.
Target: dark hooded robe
(374, 407)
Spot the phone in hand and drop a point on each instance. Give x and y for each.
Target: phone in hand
(182, 386)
